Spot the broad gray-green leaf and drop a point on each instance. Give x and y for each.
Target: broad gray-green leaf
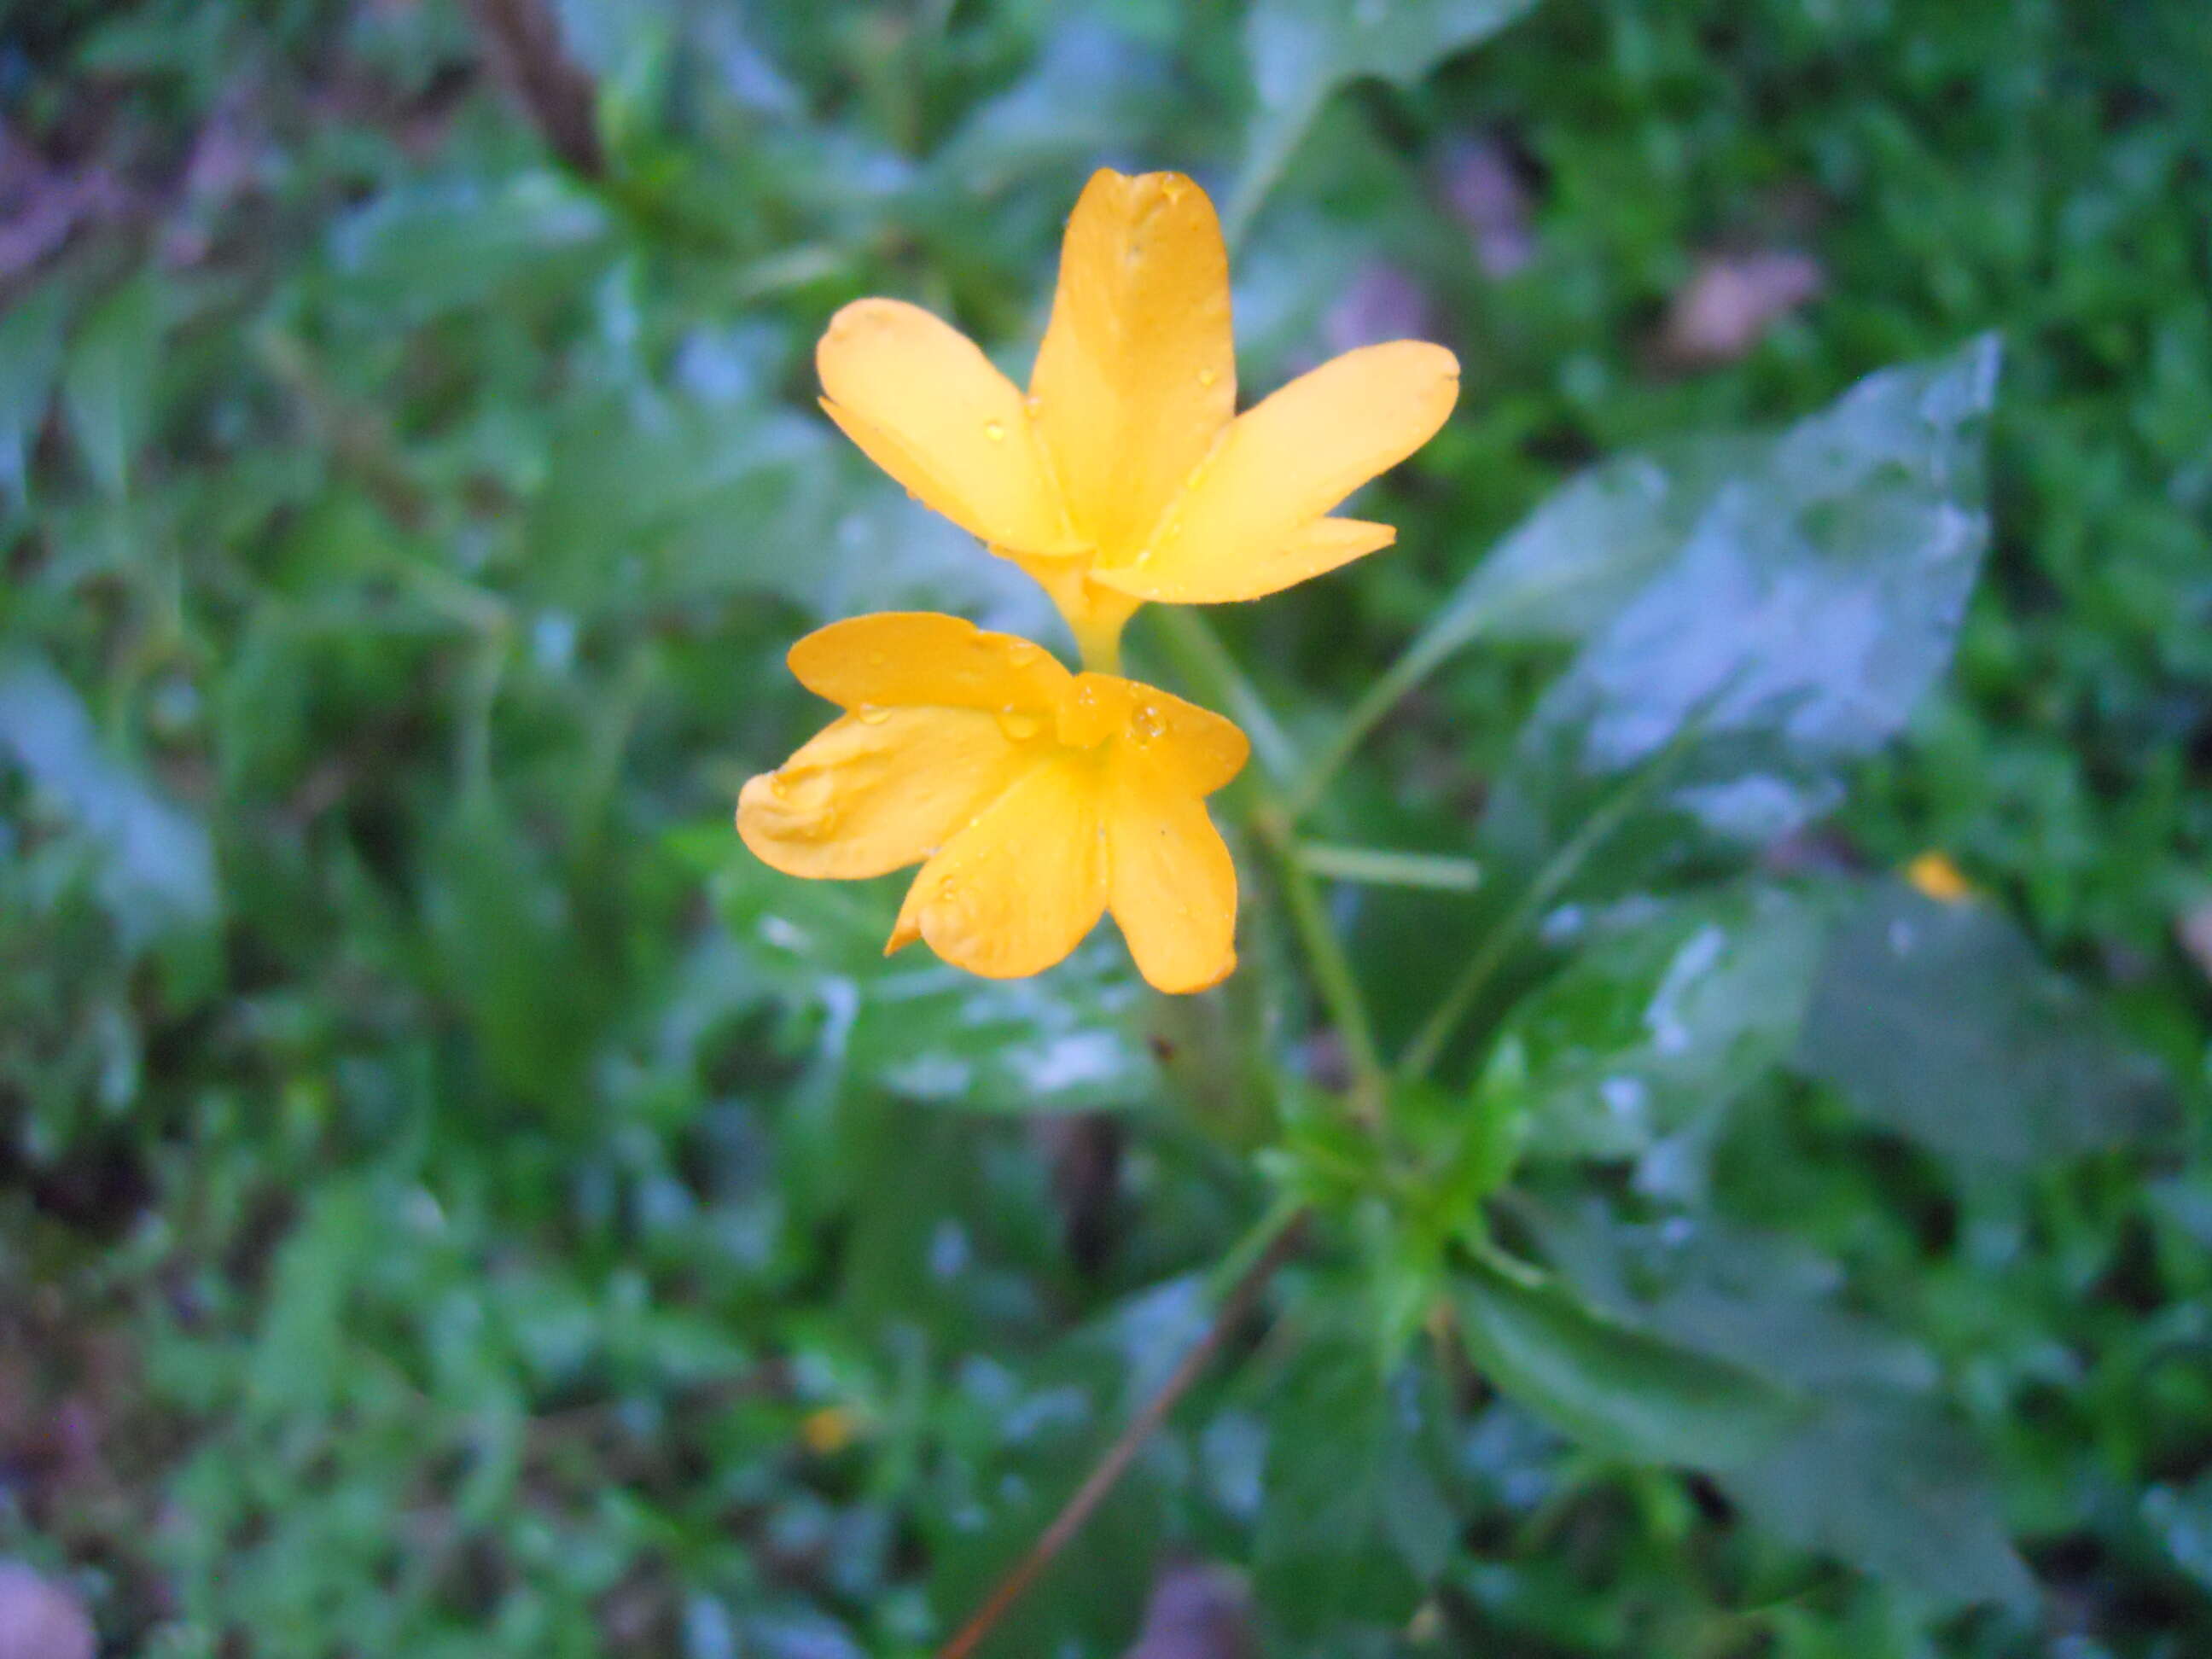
(1874, 1472)
(1622, 1391)
(1814, 602)
(1656, 1027)
(1573, 563)
(30, 354)
(1885, 1482)
(1756, 1298)
(107, 383)
(1301, 51)
(1356, 1520)
(1940, 1022)
(157, 867)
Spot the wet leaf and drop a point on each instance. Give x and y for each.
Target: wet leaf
(1873, 1471)
(1885, 1482)
(1357, 1519)
(1654, 1027)
(1940, 1022)
(1616, 1390)
(1073, 1040)
(1573, 563)
(1814, 600)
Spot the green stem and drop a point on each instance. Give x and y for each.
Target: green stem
(1420, 1055)
(1200, 653)
(1377, 867)
(1401, 676)
(1203, 659)
(1332, 969)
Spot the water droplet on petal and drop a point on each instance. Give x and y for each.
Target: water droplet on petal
(877, 660)
(779, 786)
(1146, 724)
(995, 431)
(1034, 403)
(1019, 724)
(870, 715)
(1021, 654)
(1207, 377)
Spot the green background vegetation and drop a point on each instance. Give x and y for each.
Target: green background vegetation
(452, 1202)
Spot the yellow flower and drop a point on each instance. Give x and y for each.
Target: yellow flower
(1039, 799)
(1125, 474)
(1934, 874)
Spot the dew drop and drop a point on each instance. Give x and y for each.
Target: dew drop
(1207, 377)
(779, 786)
(1019, 724)
(1021, 654)
(1034, 403)
(877, 660)
(1146, 724)
(995, 431)
(870, 715)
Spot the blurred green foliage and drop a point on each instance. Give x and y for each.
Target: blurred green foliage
(452, 1202)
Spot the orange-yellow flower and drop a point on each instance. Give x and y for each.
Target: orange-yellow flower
(1039, 800)
(1125, 474)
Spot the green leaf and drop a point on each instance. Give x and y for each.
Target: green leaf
(31, 332)
(300, 1353)
(1573, 563)
(1357, 1520)
(1940, 1023)
(157, 865)
(107, 384)
(1872, 1472)
(1657, 1025)
(1301, 51)
(428, 249)
(1885, 1482)
(1618, 1390)
(1021, 1442)
(1812, 603)
(1075, 1039)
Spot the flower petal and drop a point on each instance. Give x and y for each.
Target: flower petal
(1173, 885)
(898, 659)
(876, 791)
(1312, 549)
(1191, 749)
(1245, 527)
(1138, 372)
(1017, 889)
(927, 407)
